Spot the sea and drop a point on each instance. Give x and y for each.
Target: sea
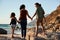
(7, 27)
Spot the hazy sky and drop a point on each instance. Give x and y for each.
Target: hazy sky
(8, 6)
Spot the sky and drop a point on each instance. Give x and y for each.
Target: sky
(8, 6)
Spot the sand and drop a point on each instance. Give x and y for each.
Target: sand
(31, 35)
(18, 37)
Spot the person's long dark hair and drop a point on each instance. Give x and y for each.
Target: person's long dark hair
(12, 14)
(22, 6)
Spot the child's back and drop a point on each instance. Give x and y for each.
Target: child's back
(23, 14)
(13, 20)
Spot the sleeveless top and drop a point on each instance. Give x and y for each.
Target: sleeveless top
(13, 21)
(23, 14)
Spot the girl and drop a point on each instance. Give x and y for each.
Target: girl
(13, 22)
(23, 20)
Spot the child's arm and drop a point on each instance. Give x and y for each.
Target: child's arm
(29, 16)
(33, 15)
(16, 20)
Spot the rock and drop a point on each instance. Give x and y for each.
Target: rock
(2, 31)
(39, 38)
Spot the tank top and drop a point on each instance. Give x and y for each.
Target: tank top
(23, 14)
(13, 21)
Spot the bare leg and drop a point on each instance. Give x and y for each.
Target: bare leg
(45, 21)
(37, 27)
(42, 27)
(12, 32)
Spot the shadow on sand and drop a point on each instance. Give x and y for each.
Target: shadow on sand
(39, 38)
(15, 38)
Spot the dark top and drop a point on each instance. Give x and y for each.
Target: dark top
(13, 21)
(23, 14)
(40, 12)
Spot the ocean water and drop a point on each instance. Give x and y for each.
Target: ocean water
(7, 27)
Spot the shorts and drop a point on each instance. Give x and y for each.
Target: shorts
(40, 20)
(13, 25)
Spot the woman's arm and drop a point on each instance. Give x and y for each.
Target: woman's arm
(33, 15)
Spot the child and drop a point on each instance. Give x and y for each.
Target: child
(23, 20)
(13, 22)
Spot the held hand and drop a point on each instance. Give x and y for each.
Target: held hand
(18, 21)
(10, 24)
(31, 18)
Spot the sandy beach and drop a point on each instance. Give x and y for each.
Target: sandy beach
(31, 36)
(18, 37)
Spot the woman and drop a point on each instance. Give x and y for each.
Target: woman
(40, 15)
(23, 20)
